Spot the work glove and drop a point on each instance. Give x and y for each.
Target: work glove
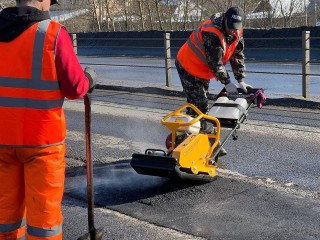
(259, 98)
(231, 88)
(244, 86)
(92, 76)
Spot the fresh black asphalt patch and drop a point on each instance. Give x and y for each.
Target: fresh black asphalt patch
(223, 209)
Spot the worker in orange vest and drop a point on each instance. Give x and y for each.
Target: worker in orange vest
(205, 54)
(38, 69)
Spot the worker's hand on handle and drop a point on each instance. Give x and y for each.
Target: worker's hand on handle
(92, 77)
(244, 86)
(231, 88)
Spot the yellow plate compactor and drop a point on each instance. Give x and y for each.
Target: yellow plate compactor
(192, 149)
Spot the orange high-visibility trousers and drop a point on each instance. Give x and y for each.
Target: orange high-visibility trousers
(31, 190)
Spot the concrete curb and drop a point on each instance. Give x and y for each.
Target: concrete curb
(283, 101)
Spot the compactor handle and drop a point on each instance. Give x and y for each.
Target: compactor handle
(173, 126)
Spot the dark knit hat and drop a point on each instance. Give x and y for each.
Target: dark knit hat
(234, 17)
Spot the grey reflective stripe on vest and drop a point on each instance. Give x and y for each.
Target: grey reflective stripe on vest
(197, 40)
(38, 50)
(28, 146)
(30, 103)
(35, 83)
(44, 232)
(195, 49)
(199, 44)
(28, 83)
(12, 226)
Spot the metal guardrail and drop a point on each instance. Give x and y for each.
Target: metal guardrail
(305, 48)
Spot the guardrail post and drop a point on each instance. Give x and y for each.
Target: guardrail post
(75, 43)
(305, 64)
(168, 59)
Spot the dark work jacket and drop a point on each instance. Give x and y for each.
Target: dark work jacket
(15, 20)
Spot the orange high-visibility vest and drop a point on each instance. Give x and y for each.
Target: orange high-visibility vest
(192, 55)
(31, 113)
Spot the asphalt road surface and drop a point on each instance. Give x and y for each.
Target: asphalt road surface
(267, 187)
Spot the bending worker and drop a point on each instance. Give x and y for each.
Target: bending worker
(38, 69)
(205, 54)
